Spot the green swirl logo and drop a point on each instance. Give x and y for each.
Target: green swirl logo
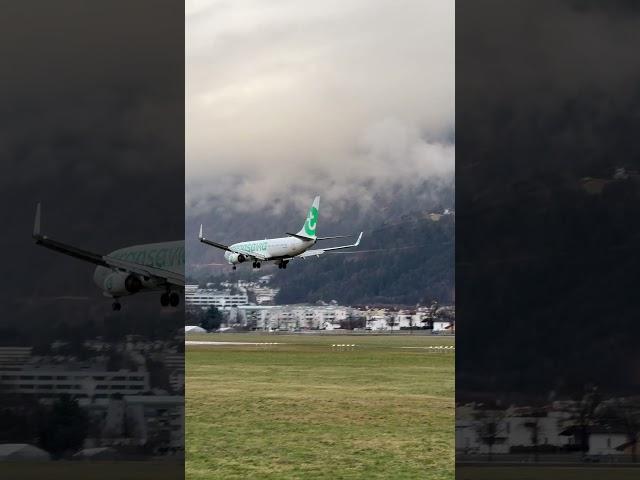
(312, 222)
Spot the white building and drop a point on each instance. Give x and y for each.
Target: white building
(292, 317)
(264, 295)
(81, 383)
(15, 452)
(14, 357)
(441, 326)
(194, 329)
(605, 441)
(221, 299)
(515, 427)
(137, 420)
(521, 427)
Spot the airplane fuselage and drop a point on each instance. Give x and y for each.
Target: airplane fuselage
(269, 248)
(279, 250)
(165, 255)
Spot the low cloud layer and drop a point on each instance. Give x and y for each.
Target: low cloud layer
(285, 99)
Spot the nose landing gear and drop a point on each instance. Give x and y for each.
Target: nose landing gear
(116, 305)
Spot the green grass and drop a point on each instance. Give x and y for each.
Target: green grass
(369, 340)
(303, 411)
(579, 472)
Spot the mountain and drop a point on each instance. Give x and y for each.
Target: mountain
(407, 256)
(406, 262)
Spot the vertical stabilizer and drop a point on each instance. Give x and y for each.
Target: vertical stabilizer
(308, 230)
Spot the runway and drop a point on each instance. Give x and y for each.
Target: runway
(222, 344)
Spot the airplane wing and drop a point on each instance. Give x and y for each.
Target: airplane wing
(163, 276)
(320, 251)
(251, 254)
(227, 248)
(147, 271)
(203, 239)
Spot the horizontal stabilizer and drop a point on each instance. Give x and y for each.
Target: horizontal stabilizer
(345, 246)
(335, 236)
(321, 251)
(301, 237)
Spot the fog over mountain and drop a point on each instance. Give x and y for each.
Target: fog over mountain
(353, 100)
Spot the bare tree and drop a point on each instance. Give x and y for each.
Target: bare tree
(490, 429)
(586, 416)
(626, 414)
(534, 431)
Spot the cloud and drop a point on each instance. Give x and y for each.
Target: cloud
(287, 98)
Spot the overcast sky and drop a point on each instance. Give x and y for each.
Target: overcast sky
(91, 126)
(287, 98)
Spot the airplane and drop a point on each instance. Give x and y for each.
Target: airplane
(280, 250)
(151, 267)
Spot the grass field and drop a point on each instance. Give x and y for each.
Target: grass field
(304, 410)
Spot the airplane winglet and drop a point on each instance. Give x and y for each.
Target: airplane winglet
(200, 237)
(36, 222)
(358, 241)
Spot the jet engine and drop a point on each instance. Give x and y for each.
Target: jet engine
(122, 283)
(237, 258)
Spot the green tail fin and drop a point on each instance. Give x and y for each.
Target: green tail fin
(308, 230)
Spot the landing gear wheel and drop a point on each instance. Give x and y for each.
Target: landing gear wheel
(164, 299)
(284, 264)
(257, 264)
(116, 306)
(174, 299)
(234, 267)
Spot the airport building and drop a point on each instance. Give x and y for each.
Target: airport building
(292, 317)
(13, 358)
(51, 383)
(221, 299)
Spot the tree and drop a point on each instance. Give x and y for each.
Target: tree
(490, 429)
(211, 319)
(352, 322)
(64, 427)
(624, 413)
(534, 431)
(585, 417)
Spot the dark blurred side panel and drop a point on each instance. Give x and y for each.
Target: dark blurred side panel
(548, 238)
(92, 127)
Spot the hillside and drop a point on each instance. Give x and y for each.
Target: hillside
(409, 262)
(406, 262)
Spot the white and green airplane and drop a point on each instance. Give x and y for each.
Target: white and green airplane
(151, 267)
(280, 250)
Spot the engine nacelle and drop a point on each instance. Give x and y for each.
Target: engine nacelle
(122, 283)
(237, 258)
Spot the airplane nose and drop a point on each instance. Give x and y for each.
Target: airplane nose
(98, 276)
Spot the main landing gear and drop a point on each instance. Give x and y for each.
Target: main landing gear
(256, 264)
(283, 264)
(169, 298)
